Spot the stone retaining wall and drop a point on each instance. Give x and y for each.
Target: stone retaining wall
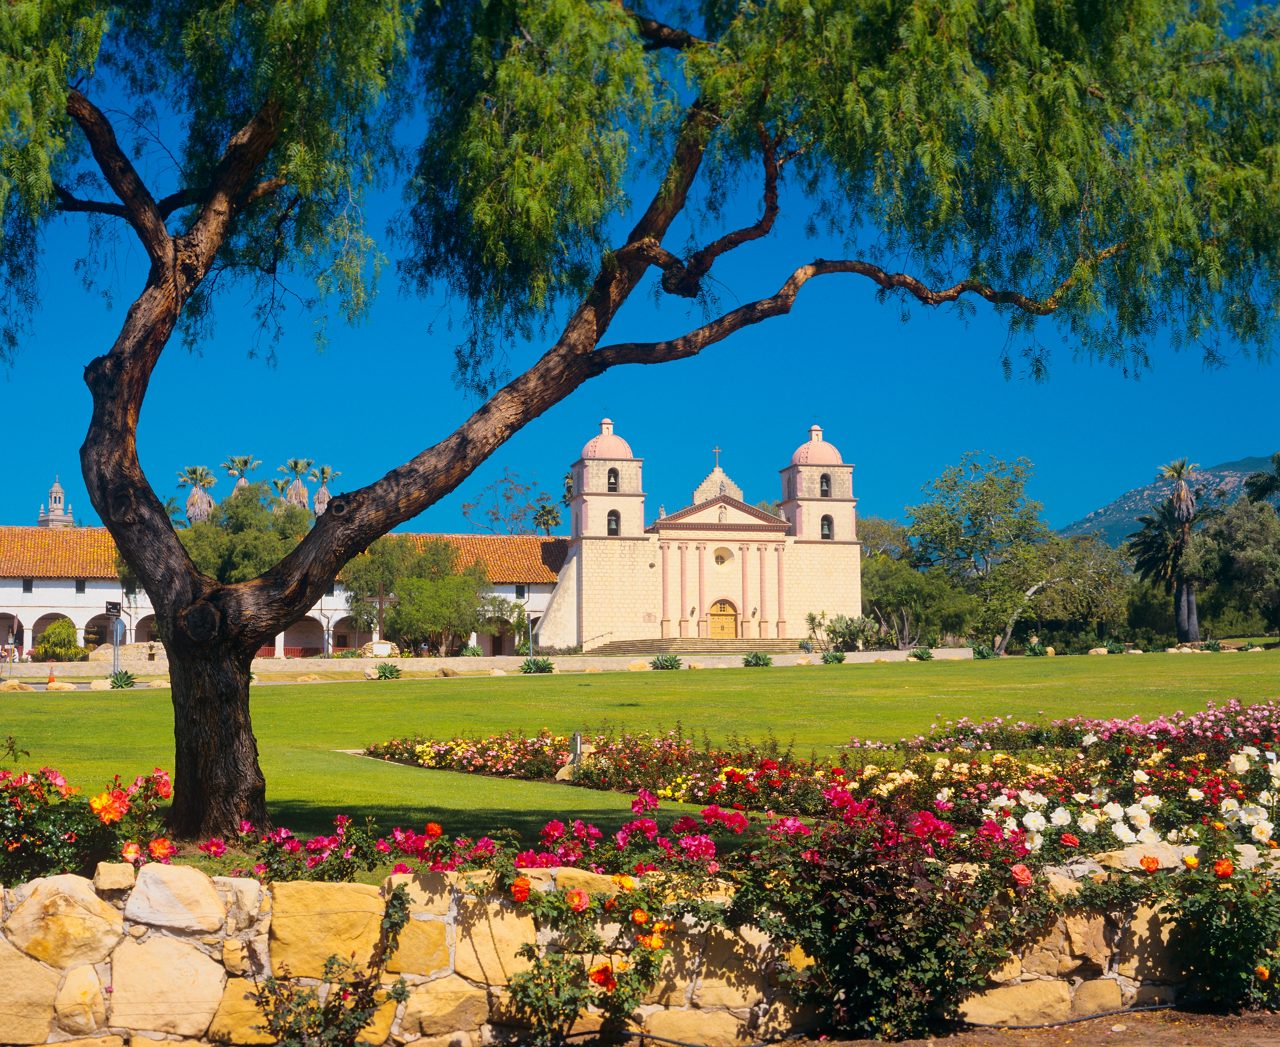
(169, 954)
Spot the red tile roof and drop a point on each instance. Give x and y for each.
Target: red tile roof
(89, 552)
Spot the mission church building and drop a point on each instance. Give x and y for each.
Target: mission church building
(720, 569)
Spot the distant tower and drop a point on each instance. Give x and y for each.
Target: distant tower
(608, 500)
(817, 492)
(57, 515)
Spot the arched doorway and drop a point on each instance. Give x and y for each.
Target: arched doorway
(723, 621)
(304, 639)
(98, 630)
(501, 640)
(12, 634)
(144, 630)
(348, 635)
(42, 623)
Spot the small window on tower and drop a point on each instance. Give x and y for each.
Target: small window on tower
(28, 584)
(828, 529)
(824, 486)
(613, 481)
(521, 592)
(79, 586)
(614, 525)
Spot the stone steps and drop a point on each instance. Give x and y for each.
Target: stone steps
(696, 645)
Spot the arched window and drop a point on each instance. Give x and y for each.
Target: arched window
(828, 529)
(824, 485)
(613, 481)
(614, 524)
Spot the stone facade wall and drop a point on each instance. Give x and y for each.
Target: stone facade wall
(169, 954)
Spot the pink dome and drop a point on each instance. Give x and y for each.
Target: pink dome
(606, 445)
(816, 451)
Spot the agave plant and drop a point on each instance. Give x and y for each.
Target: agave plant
(199, 501)
(324, 474)
(239, 466)
(296, 493)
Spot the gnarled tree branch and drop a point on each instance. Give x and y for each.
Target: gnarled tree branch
(658, 35)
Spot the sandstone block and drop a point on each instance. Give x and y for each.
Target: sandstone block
(1050, 955)
(28, 990)
(379, 1027)
(15, 685)
(488, 938)
(429, 892)
(164, 985)
(638, 667)
(709, 1028)
(1143, 951)
(59, 685)
(424, 949)
(235, 958)
(730, 969)
(1011, 971)
(238, 1019)
(457, 1039)
(371, 673)
(114, 876)
(61, 921)
(444, 1006)
(79, 1004)
(1095, 997)
(1087, 938)
(1028, 1003)
(312, 921)
(99, 685)
(503, 672)
(179, 897)
(95, 1041)
(1098, 650)
(245, 897)
(1130, 858)
(580, 879)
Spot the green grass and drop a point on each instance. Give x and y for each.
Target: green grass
(91, 736)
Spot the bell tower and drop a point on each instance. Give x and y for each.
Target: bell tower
(57, 515)
(817, 493)
(608, 499)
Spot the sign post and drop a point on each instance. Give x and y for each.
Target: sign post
(113, 612)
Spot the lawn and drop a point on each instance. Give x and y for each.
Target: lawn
(91, 736)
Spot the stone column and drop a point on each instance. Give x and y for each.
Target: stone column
(279, 651)
(684, 589)
(761, 551)
(702, 588)
(663, 548)
(744, 611)
(782, 601)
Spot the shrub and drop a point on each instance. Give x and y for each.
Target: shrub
(472, 651)
(757, 660)
(1036, 650)
(806, 646)
(922, 654)
(853, 634)
(832, 657)
(1115, 647)
(534, 666)
(666, 661)
(1211, 645)
(122, 679)
(387, 671)
(58, 644)
(982, 651)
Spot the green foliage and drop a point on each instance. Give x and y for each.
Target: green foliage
(336, 857)
(534, 666)
(122, 679)
(511, 506)
(1036, 649)
(832, 657)
(1236, 557)
(908, 604)
(435, 611)
(666, 661)
(58, 643)
(1115, 647)
(853, 634)
(297, 1016)
(472, 651)
(387, 671)
(1212, 645)
(245, 535)
(757, 660)
(982, 651)
(922, 654)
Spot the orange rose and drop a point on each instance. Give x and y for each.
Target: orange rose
(577, 900)
(520, 889)
(1149, 863)
(649, 941)
(161, 849)
(1021, 875)
(639, 917)
(1223, 868)
(1262, 973)
(131, 852)
(1191, 862)
(602, 975)
(110, 806)
(432, 830)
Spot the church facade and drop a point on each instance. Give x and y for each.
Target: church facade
(719, 569)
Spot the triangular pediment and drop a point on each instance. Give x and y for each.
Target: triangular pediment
(722, 511)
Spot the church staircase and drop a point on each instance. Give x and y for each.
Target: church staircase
(692, 645)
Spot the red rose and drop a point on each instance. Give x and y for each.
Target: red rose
(1070, 840)
(520, 889)
(1021, 875)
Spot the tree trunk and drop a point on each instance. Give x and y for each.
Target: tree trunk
(217, 780)
(1191, 612)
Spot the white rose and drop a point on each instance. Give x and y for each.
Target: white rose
(1034, 821)
(1123, 833)
(1060, 817)
(1035, 841)
(1239, 763)
(1080, 797)
(1141, 777)
(1273, 769)
(1253, 814)
(1251, 752)
(943, 795)
(1099, 795)
(1266, 797)
(1195, 795)
(1262, 831)
(1229, 806)
(1148, 836)
(1150, 803)
(1139, 818)
(1088, 823)
(1010, 824)
(1088, 739)
(1113, 811)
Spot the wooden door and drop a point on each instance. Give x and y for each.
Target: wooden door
(723, 621)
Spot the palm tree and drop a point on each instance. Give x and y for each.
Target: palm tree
(281, 488)
(546, 517)
(1160, 546)
(199, 501)
(297, 493)
(1262, 486)
(324, 474)
(240, 466)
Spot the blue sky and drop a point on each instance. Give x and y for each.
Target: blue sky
(900, 399)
